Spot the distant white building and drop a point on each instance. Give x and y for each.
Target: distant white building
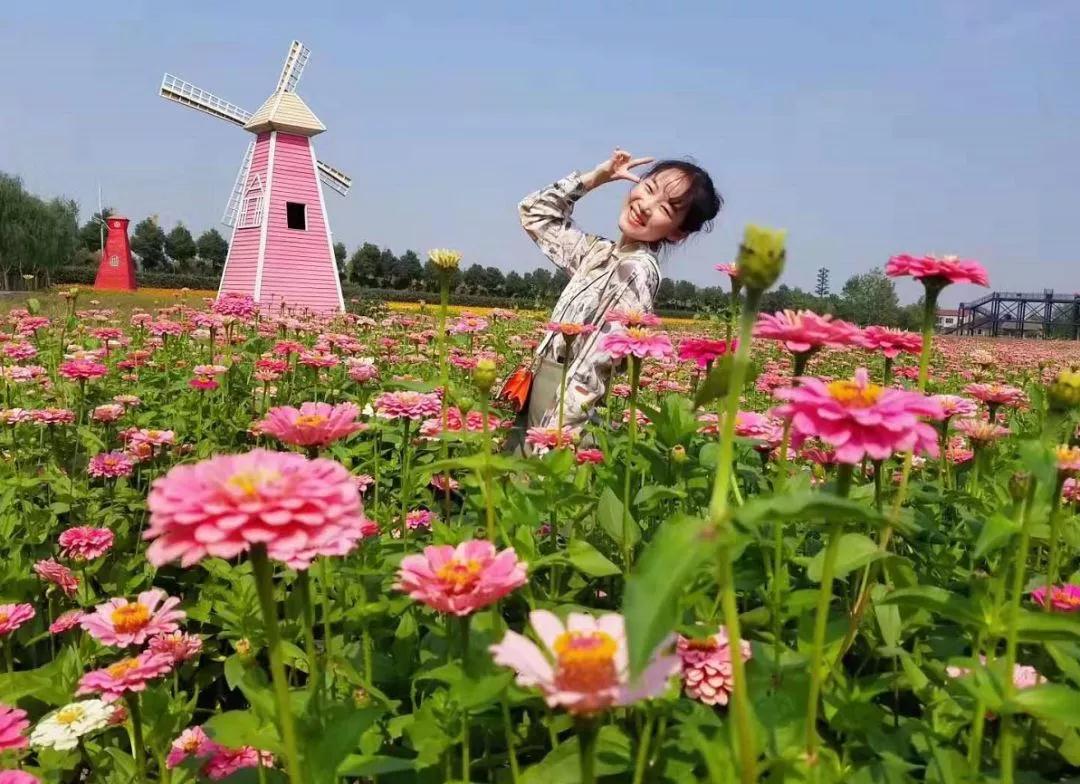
(946, 319)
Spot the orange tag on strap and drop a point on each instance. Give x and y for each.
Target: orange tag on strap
(516, 389)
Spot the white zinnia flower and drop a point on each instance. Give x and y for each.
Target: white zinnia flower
(62, 728)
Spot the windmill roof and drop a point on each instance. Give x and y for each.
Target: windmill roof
(285, 111)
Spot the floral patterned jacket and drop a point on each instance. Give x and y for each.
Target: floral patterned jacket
(603, 277)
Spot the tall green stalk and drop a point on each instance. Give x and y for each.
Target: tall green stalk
(635, 378)
(720, 517)
(138, 746)
(264, 585)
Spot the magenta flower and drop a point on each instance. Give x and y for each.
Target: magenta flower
(638, 342)
(408, 405)
(85, 543)
(937, 269)
(18, 777)
(544, 439)
(731, 270)
(108, 412)
(860, 419)
(177, 645)
(126, 675)
(890, 342)
(955, 406)
(419, 519)
(461, 580)
(1062, 597)
(704, 350)
(110, 465)
(192, 742)
(239, 305)
(582, 666)
(313, 424)
(589, 456)
(121, 623)
(706, 667)
(59, 575)
(66, 622)
(996, 394)
(225, 762)
(298, 508)
(13, 724)
(12, 616)
(82, 369)
(803, 330)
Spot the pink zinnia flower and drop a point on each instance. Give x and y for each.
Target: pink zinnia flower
(582, 665)
(860, 419)
(122, 623)
(59, 575)
(18, 777)
(704, 350)
(1062, 597)
(82, 369)
(110, 465)
(362, 370)
(313, 424)
(127, 675)
(998, 394)
(177, 645)
(85, 543)
(239, 305)
(544, 439)
(937, 269)
(706, 667)
(408, 405)
(1068, 460)
(66, 622)
(731, 270)
(632, 318)
(53, 416)
(803, 330)
(109, 412)
(192, 742)
(890, 342)
(955, 406)
(419, 518)
(13, 724)
(1024, 676)
(463, 579)
(226, 762)
(203, 383)
(981, 431)
(638, 342)
(589, 456)
(298, 508)
(12, 616)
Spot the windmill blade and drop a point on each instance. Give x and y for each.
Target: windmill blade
(233, 205)
(185, 93)
(335, 178)
(295, 61)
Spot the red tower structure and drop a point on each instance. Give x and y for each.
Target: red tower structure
(117, 270)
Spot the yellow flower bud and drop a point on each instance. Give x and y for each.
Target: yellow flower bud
(1064, 391)
(445, 259)
(761, 257)
(484, 374)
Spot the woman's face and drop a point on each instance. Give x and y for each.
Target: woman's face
(653, 209)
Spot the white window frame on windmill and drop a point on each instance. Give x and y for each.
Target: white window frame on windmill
(251, 206)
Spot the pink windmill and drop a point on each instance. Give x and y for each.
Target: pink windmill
(281, 251)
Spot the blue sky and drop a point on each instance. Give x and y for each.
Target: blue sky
(865, 129)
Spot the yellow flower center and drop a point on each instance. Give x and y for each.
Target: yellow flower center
(852, 395)
(637, 333)
(586, 661)
(459, 577)
(310, 420)
(4, 617)
(130, 618)
(122, 668)
(69, 715)
(706, 644)
(249, 482)
(1062, 596)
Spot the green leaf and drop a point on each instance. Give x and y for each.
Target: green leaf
(1040, 626)
(995, 533)
(588, 560)
(716, 383)
(854, 551)
(938, 601)
(340, 736)
(1050, 702)
(662, 575)
(369, 767)
(804, 505)
(609, 513)
(613, 757)
(241, 728)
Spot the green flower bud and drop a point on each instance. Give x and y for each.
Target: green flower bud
(761, 257)
(1064, 391)
(466, 404)
(484, 374)
(678, 454)
(1018, 485)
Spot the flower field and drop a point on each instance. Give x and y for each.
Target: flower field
(260, 548)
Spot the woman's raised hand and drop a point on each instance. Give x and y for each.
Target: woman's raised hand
(621, 162)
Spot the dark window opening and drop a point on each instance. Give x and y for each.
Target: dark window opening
(296, 215)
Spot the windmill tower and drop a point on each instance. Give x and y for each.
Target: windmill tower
(281, 251)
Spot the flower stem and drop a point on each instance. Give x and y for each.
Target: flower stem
(138, 748)
(1053, 556)
(508, 729)
(489, 502)
(641, 763)
(587, 733)
(264, 584)
(303, 585)
(817, 654)
(405, 489)
(635, 377)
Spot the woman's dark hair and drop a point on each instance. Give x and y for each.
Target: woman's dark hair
(701, 199)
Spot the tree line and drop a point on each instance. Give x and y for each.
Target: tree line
(39, 236)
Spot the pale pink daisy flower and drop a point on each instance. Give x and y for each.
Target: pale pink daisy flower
(582, 666)
(59, 575)
(859, 418)
(706, 667)
(956, 406)
(996, 394)
(463, 579)
(127, 675)
(108, 412)
(66, 622)
(13, 725)
(85, 543)
(638, 342)
(12, 616)
(53, 416)
(313, 424)
(890, 342)
(981, 431)
(362, 370)
(803, 330)
(121, 623)
(937, 269)
(179, 646)
(192, 742)
(297, 508)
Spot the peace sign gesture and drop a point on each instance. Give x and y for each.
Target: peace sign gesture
(618, 166)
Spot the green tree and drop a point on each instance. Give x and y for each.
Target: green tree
(180, 245)
(408, 271)
(148, 243)
(387, 263)
(685, 293)
(213, 249)
(515, 285)
(91, 232)
(364, 265)
(870, 298)
(666, 292)
(35, 236)
(494, 280)
(473, 279)
(341, 254)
